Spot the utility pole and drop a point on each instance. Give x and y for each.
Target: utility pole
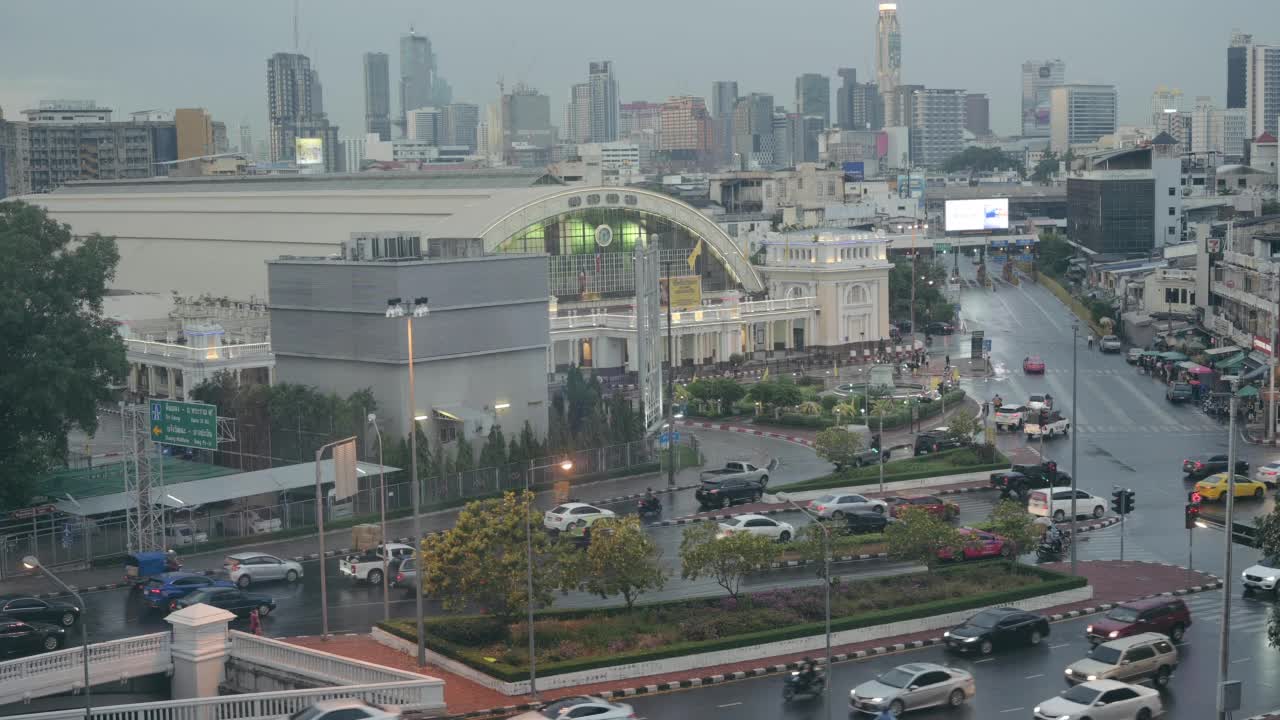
(1075, 410)
(1224, 638)
(671, 391)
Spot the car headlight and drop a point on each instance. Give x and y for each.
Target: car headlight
(1113, 634)
(1270, 578)
(946, 634)
(877, 701)
(972, 639)
(1088, 628)
(1068, 671)
(1091, 678)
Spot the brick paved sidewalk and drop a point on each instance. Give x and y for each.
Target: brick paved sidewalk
(1112, 581)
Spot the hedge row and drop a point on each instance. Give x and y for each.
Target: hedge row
(896, 419)
(1053, 582)
(870, 474)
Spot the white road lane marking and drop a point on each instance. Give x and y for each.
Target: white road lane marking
(984, 660)
(1013, 710)
(1030, 677)
(1059, 645)
(1233, 662)
(729, 705)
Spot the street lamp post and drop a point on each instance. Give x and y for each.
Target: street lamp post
(324, 578)
(1075, 409)
(826, 578)
(30, 562)
(382, 519)
(1224, 638)
(415, 309)
(565, 465)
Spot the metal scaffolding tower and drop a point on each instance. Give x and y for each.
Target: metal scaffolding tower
(145, 514)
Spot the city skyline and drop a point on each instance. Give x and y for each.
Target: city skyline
(336, 37)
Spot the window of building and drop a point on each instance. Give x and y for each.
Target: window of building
(1171, 211)
(1171, 230)
(1171, 192)
(1241, 182)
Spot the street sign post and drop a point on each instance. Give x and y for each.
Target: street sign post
(187, 424)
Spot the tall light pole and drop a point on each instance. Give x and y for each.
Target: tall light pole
(320, 503)
(671, 391)
(565, 465)
(826, 578)
(415, 309)
(1224, 638)
(1075, 409)
(382, 520)
(30, 562)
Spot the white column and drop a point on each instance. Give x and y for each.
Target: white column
(151, 380)
(199, 650)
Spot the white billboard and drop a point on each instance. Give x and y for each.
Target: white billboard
(309, 151)
(987, 214)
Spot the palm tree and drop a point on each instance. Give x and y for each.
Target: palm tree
(809, 407)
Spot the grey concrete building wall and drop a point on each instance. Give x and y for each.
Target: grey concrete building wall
(484, 342)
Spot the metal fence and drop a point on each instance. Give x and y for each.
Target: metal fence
(60, 539)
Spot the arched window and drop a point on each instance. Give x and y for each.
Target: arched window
(795, 291)
(857, 295)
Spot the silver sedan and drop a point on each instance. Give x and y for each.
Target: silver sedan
(837, 505)
(912, 687)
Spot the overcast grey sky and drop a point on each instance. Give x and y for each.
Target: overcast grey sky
(139, 54)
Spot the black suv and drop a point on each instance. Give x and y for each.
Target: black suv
(1022, 479)
(932, 442)
(728, 492)
(1199, 467)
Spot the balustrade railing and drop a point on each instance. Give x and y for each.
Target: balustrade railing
(134, 656)
(312, 663)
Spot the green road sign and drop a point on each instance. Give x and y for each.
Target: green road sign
(942, 247)
(184, 423)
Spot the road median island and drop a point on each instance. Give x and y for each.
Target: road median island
(951, 462)
(607, 644)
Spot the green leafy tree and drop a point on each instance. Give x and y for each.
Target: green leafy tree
(481, 562)
(464, 459)
(980, 159)
(963, 427)
(838, 446)
(726, 560)
(884, 407)
(1054, 253)
(1010, 520)
(702, 393)
(1046, 168)
(494, 451)
(727, 392)
(59, 355)
(622, 559)
(919, 536)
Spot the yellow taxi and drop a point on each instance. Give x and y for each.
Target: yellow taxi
(1214, 487)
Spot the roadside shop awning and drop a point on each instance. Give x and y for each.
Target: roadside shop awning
(1194, 368)
(1248, 391)
(1150, 353)
(1234, 361)
(1221, 351)
(1173, 356)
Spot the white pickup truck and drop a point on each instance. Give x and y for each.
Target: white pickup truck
(736, 469)
(368, 566)
(1056, 425)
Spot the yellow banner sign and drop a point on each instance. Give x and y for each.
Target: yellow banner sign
(685, 292)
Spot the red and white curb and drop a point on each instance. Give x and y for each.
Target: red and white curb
(886, 649)
(725, 427)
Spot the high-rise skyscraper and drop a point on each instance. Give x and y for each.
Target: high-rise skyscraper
(577, 114)
(868, 107)
(426, 124)
(937, 126)
(317, 94)
(526, 118)
(1168, 115)
(246, 140)
(977, 114)
(377, 95)
(1238, 69)
(604, 101)
(1215, 130)
(195, 132)
(685, 125)
(1263, 89)
(288, 101)
(813, 96)
(753, 136)
(1038, 79)
(888, 57)
(416, 73)
(460, 123)
(844, 97)
(1081, 114)
(724, 95)
(639, 115)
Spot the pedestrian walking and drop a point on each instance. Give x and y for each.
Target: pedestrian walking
(255, 622)
(948, 361)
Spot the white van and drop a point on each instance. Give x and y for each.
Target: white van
(180, 534)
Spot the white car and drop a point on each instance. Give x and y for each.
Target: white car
(1037, 402)
(579, 706)
(573, 515)
(369, 566)
(1268, 474)
(1010, 417)
(837, 505)
(345, 709)
(1056, 425)
(756, 525)
(1055, 503)
(246, 568)
(1102, 700)
(1262, 576)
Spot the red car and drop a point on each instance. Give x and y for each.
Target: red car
(931, 504)
(977, 544)
(1163, 614)
(1033, 364)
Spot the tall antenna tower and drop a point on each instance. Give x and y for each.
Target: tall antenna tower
(295, 25)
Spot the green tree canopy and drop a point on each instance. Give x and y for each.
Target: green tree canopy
(1011, 521)
(838, 446)
(980, 159)
(726, 560)
(918, 537)
(1054, 253)
(1046, 168)
(622, 559)
(481, 562)
(930, 303)
(58, 355)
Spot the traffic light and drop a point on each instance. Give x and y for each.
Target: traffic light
(1128, 501)
(1117, 504)
(1191, 513)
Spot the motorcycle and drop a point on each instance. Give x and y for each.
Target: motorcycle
(794, 686)
(649, 506)
(1051, 550)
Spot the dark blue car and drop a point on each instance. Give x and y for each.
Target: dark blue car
(163, 591)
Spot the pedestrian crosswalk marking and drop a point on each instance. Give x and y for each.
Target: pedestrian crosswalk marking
(1198, 429)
